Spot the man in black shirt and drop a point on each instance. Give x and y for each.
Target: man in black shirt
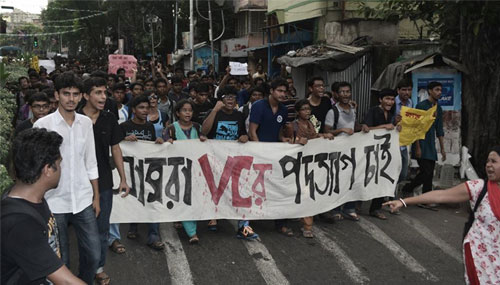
(320, 105)
(138, 128)
(39, 105)
(381, 117)
(30, 245)
(226, 123)
(107, 134)
(201, 105)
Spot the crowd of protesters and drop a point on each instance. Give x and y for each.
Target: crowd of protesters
(87, 113)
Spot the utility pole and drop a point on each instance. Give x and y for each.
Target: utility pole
(210, 34)
(191, 33)
(176, 10)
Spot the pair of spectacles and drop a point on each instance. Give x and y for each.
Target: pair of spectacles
(152, 97)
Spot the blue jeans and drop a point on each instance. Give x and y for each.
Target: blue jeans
(349, 207)
(114, 233)
(87, 235)
(106, 202)
(153, 231)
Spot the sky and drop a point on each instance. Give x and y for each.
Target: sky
(31, 6)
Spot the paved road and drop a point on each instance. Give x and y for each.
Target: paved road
(418, 247)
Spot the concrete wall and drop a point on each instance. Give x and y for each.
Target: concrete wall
(346, 32)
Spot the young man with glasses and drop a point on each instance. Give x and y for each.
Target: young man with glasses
(320, 104)
(39, 105)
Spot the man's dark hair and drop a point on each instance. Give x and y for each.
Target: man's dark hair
(199, 70)
(233, 78)
(149, 80)
(404, 83)
(30, 70)
(335, 87)
(101, 74)
(433, 85)
(229, 90)
(140, 77)
(342, 84)
(34, 74)
(135, 84)
(257, 89)
(33, 149)
(387, 92)
(21, 78)
(190, 72)
(138, 100)
(38, 96)
(310, 82)
(67, 80)
(42, 71)
(179, 69)
(258, 79)
(181, 104)
(114, 76)
(202, 87)
(119, 86)
(92, 82)
(279, 82)
(120, 69)
(301, 103)
(192, 85)
(175, 79)
(49, 92)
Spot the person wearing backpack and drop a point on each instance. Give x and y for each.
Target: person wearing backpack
(29, 239)
(341, 121)
(482, 231)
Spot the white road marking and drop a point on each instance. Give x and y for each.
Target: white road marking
(177, 262)
(397, 251)
(341, 257)
(263, 261)
(430, 236)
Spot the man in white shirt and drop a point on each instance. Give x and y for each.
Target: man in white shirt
(76, 198)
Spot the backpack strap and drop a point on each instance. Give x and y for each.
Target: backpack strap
(481, 196)
(336, 116)
(472, 217)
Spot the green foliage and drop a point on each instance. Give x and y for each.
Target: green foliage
(5, 180)
(7, 113)
(3, 75)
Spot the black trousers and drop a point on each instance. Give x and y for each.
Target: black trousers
(424, 176)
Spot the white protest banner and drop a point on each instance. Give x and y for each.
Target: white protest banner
(128, 62)
(193, 180)
(238, 68)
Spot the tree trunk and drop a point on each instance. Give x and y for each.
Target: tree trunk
(481, 91)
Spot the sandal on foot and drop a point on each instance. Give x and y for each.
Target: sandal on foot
(352, 216)
(177, 225)
(378, 215)
(132, 235)
(306, 233)
(246, 233)
(194, 240)
(286, 231)
(338, 217)
(117, 247)
(102, 279)
(157, 245)
(212, 225)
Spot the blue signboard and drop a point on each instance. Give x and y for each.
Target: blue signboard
(203, 58)
(451, 97)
